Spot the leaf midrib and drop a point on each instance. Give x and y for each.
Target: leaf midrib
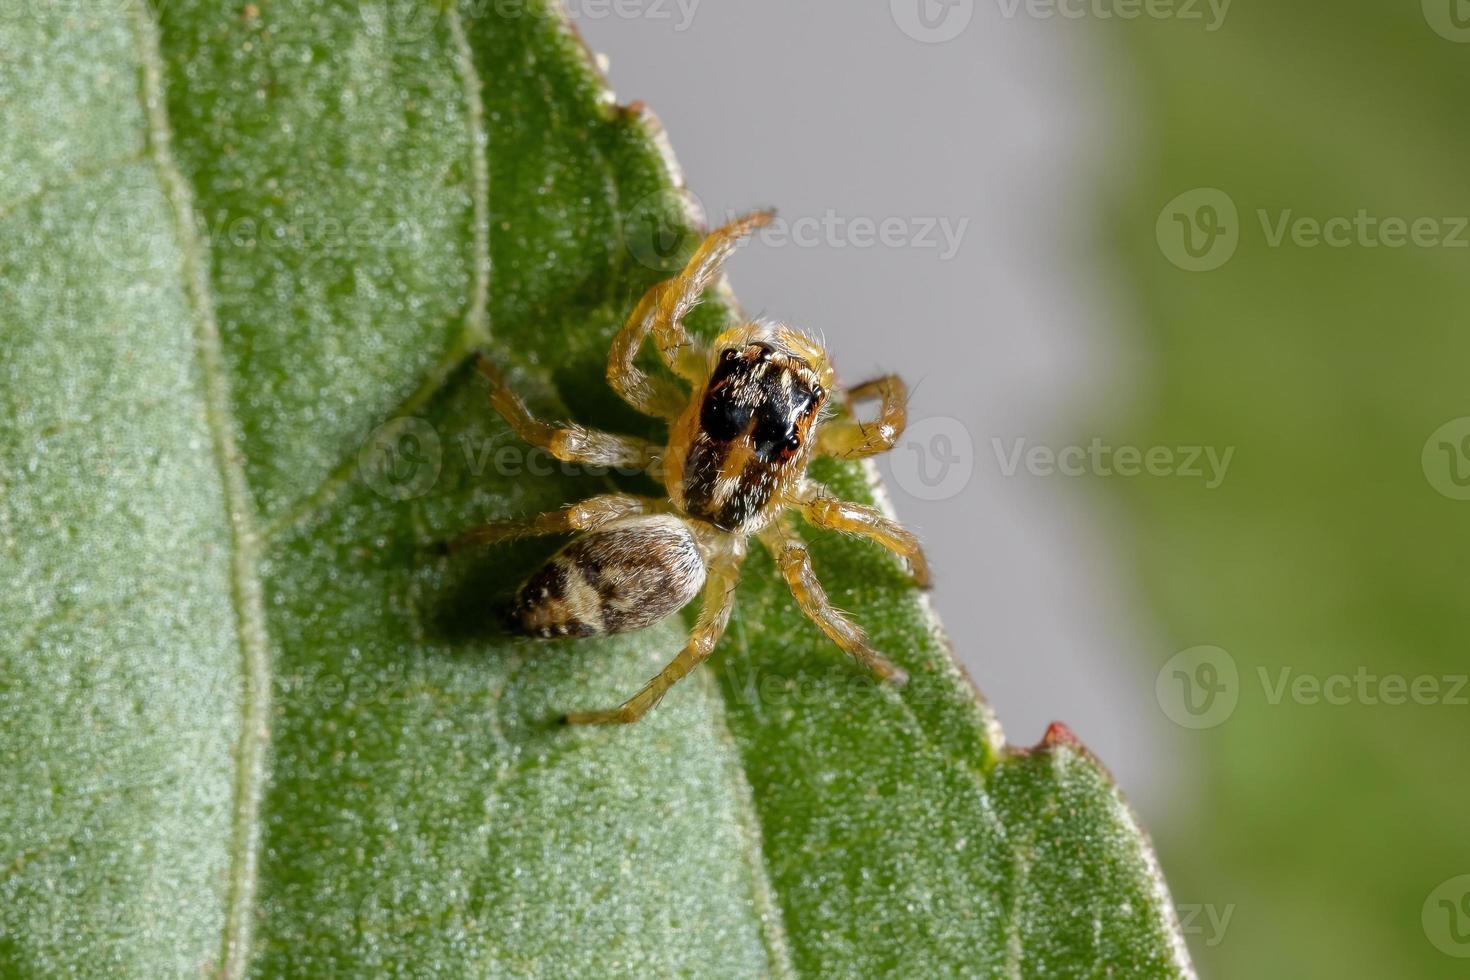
(247, 539)
(246, 587)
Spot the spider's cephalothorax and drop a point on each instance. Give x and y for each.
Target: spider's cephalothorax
(740, 437)
(747, 435)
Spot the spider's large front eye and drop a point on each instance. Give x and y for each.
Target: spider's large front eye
(776, 439)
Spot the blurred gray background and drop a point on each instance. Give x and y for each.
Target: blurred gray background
(937, 181)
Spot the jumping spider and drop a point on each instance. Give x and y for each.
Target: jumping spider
(735, 462)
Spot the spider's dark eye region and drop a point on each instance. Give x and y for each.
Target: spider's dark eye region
(753, 392)
(758, 398)
(725, 413)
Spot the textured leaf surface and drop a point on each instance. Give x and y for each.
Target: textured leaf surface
(249, 722)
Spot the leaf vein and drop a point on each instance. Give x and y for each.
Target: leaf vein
(247, 591)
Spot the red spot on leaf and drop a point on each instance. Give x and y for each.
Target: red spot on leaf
(1059, 734)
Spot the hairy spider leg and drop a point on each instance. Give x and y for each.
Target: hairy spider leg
(660, 314)
(825, 511)
(795, 564)
(571, 443)
(852, 438)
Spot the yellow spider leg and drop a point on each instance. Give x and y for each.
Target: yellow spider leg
(854, 439)
(572, 443)
(719, 601)
(588, 515)
(659, 397)
(844, 515)
(796, 566)
(660, 313)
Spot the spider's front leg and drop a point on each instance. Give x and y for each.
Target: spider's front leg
(823, 510)
(795, 563)
(852, 438)
(570, 443)
(719, 601)
(660, 313)
(587, 515)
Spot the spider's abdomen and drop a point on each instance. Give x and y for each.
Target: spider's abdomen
(624, 576)
(757, 412)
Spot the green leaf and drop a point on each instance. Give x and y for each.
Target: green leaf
(250, 722)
